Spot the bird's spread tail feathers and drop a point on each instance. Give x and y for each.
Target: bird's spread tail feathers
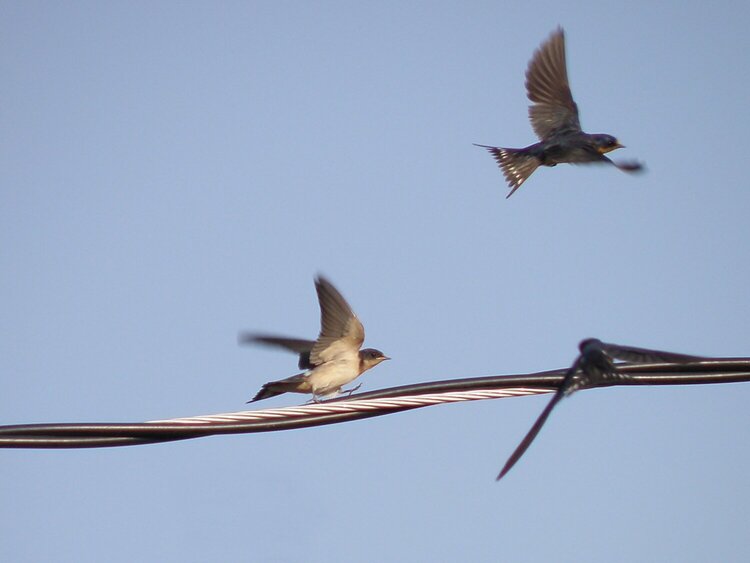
(517, 165)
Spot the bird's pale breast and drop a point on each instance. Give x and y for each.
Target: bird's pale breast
(331, 376)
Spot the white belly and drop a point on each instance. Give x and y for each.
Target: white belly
(328, 378)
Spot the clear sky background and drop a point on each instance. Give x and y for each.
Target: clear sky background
(174, 173)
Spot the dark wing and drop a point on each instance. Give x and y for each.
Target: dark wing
(526, 442)
(554, 110)
(296, 345)
(640, 355)
(341, 333)
(630, 166)
(595, 368)
(566, 388)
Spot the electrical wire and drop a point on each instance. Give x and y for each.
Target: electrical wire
(359, 406)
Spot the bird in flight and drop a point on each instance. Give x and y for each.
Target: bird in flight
(331, 361)
(554, 117)
(594, 367)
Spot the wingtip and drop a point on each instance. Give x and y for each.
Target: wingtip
(258, 396)
(557, 32)
(631, 166)
(321, 278)
(245, 338)
(504, 471)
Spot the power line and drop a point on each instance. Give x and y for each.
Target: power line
(359, 406)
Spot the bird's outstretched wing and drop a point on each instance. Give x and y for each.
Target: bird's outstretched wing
(341, 333)
(531, 434)
(553, 110)
(633, 354)
(592, 368)
(296, 345)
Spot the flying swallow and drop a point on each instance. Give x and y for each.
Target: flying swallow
(554, 117)
(331, 361)
(594, 367)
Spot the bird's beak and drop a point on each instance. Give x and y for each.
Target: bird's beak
(386, 358)
(605, 150)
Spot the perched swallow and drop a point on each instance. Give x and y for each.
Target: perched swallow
(331, 361)
(554, 117)
(594, 367)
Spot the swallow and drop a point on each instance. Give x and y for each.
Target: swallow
(594, 367)
(554, 118)
(331, 361)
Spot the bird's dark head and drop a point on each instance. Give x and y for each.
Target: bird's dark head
(605, 143)
(370, 357)
(588, 344)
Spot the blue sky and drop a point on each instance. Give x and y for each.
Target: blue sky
(174, 173)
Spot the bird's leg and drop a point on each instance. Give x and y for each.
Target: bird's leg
(350, 391)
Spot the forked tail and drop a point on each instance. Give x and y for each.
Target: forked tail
(517, 165)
